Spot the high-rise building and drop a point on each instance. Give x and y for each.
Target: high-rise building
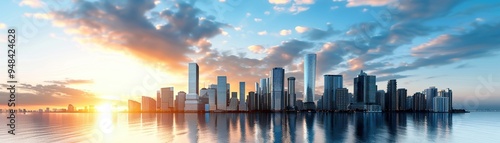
(332, 82)
(181, 101)
(291, 92)
(71, 108)
(257, 98)
(391, 95)
(242, 106)
(419, 102)
(381, 99)
(264, 91)
(409, 103)
(212, 97)
(440, 104)
(277, 88)
(252, 104)
(134, 106)
(192, 103)
(365, 93)
(233, 102)
(341, 99)
(158, 100)
(167, 99)
(309, 80)
(448, 93)
(148, 104)
(430, 93)
(401, 99)
(221, 93)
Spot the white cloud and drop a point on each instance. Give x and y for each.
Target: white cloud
(365, 9)
(279, 1)
(267, 12)
(237, 28)
(157, 2)
(256, 48)
(301, 29)
(32, 3)
(354, 3)
(257, 19)
(285, 32)
(262, 32)
(279, 8)
(304, 1)
(297, 8)
(222, 0)
(248, 14)
(479, 19)
(39, 15)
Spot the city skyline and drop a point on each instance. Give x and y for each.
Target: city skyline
(138, 54)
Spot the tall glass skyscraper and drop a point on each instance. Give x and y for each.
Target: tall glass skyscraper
(221, 92)
(263, 94)
(430, 93)
(332, 82)
(291, 92)
(365, 88)
(391, 97)
(191, 103)
(277, 88)
(309, 79)
(242, 105)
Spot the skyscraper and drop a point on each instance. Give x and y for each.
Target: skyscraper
(277, 88)
(242, 105)
(440, 104)
(134, 106)
(257, 98)
(430, 93)
(252, 101)
(167, 99)
(401, 99)
(263, 94)
(391, 95)
(291, 92)
(341, 99)
(221, 92)
(381, 99)
(148, 104)
(365, 93)
(332, 82)
(419, 102)
(212, 97)
(180, 100)
(192, 104)
(309, 80)
(448, 93)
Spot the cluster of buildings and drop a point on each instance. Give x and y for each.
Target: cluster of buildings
(270, 94)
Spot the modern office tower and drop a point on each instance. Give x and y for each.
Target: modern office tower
(291, 92)
(233, 102)
(430, 93)
(449, 94)
(419, 102)
(228, 93)
(263, 94)
(440, 104)
(277, 88)
(391, 95)
(167, 99)
(158, 100)
(192, 103)
(332, 82)
(309, 80)
(257, 98)
(71, 108)
(148, 104)
(284, 101)
(221, 93)
(365, 93)
(409, 103)
(252, 104)
(401, 99)
(180, 101)
(341, 99)
(134, 106)
(381, 99)
(300, 105)
(242, 106)
(204, 97)
(212, 97)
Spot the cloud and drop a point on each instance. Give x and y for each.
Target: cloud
(257, 19)
(279, 1)
(423, 9)
(256, 48)
(267, 13)
(71, 81)
(304, 2)
(32, 3)
(262, 33)
(123, 27)
(301, 29)
(354, 3)
(285, 32)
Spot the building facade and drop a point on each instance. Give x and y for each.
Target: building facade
(309, 80)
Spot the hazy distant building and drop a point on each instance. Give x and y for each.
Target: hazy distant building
(332, 82)
(401, 98)
(342, 99)
(167, 99)
(158, 100)
(277, 88)
(148, 104)
(440, 104)
(291, 93)
(391, 95)
(430, 93)
(419, 102)
(309, 80)
(180, 100)
(380, 100)
(221, 92)
(71, 108)
(134, 106)
(192, 99)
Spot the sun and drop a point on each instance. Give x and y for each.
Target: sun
(106, 107)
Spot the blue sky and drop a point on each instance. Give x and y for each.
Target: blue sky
(112, 51)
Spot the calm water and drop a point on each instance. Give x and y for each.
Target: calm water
(254, 127)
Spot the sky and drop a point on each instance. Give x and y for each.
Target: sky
(93, 52)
